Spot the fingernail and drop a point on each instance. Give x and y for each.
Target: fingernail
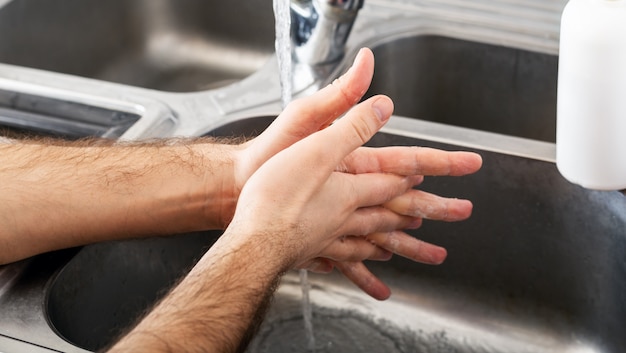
(383, 107)
(358, 55)
(357, 58)
(385, 255)
(416, 223)
(439, 256)
(416, 179)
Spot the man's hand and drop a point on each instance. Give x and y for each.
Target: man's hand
(359, 199)
(309, 115)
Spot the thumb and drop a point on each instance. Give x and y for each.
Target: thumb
(308, 115)
(355, 128)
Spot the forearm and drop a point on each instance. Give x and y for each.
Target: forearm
(219, 305)
(57, 196)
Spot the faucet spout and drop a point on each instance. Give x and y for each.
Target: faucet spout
(320, 29)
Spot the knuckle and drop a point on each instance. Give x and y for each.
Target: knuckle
(362, 131)
(445, 211)
(414, 207)
(345, 92)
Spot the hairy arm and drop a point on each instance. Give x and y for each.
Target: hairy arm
(219, 305)
(58, 195)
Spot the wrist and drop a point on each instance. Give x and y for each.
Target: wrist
(177, 188)
(212, 190)
(267, 244)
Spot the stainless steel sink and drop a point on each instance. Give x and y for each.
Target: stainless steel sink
(475, 85)
(170, 45)
(538, 268)
(105, 287)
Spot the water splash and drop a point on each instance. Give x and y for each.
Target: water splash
(282, 14)
(307, 312)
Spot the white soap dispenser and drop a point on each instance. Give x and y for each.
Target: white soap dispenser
(591, 103)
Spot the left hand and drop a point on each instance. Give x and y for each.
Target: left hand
(308, 115)
(347, 254)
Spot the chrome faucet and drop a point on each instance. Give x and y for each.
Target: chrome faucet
(320, 29)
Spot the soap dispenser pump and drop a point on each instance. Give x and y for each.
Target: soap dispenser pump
(591, 99)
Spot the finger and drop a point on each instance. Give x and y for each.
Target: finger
(310, 114)
(417, 203)
(364, 279)
(354, 129)
(376, 219)
(352, 249)
(411, 161)
(334, 100)
(402, 244)
(333, 144)
(375, 188)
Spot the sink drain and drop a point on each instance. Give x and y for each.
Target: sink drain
(337, 334)
(345, 332)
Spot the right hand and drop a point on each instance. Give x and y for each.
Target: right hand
(303, 118)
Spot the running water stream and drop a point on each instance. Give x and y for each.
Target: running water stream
(282, 15)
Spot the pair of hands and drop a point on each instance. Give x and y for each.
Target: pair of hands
(325, 201)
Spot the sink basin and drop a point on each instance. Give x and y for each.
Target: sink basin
(539, 267)
(170, 45)
(106, 286)
(469, 84)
